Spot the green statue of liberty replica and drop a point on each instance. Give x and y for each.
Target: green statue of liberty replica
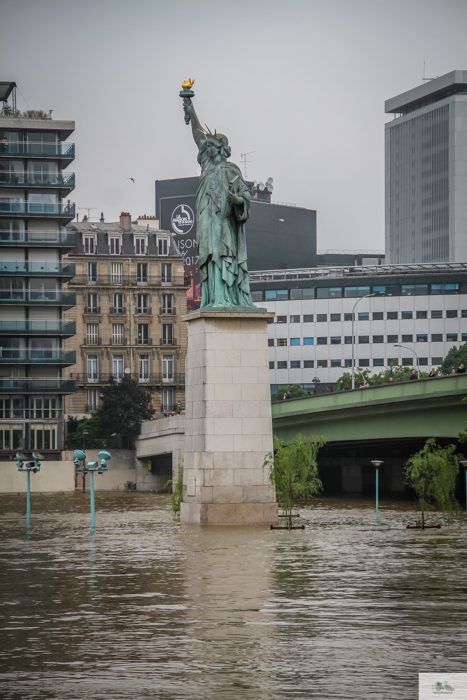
(222, 209)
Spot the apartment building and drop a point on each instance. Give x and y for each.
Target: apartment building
(34, 211)
(130, 296)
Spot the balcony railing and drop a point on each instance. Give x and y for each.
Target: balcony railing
(42, 209)
(117, 340)
(128, 281)
(168, 341)
(92, 340)
(33, 356)
(144, 310)
(38, 150)
(37, 414)
(64, 181)
(117, 310)
(39, 298)
(63, 329)
(42, 239)
(167, 312)
(37, 386)
(153, 378)
(92, 309)
(39, 269)
(143, 341)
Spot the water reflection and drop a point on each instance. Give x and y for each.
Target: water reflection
(146, 608)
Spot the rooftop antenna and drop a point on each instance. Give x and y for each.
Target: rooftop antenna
(424, 79)
(89, 210)
(244, 161)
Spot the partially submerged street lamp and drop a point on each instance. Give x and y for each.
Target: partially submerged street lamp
(464, 464)
(90, 468)
(377, 463)
(33, 467)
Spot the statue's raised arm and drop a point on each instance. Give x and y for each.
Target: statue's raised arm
(198, 132)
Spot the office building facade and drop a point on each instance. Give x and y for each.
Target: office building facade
(426, 172)
(34, 211)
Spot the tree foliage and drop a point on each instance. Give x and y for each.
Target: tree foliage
(124, 406)
(293, 470)
(77, 427)
(295, 390)
(399, 374)
(432, 472)
(454, 358)
(177, 493)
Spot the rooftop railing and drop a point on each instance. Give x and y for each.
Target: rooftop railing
(40, 269)
(38, 327)
(40, 297)
(43, 239)
(32, 356)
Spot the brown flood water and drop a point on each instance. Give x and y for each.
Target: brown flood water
(146, 608)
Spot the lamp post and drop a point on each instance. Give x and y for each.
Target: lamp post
(85, 432)
(90, 468)
(375, 294)
(410, 350)
(33, 467)
(464, 464)
(377, 463)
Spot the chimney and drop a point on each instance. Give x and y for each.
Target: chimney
(102, 220)
(85, 217)
(125, 221)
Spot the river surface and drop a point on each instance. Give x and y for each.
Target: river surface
(147, 608)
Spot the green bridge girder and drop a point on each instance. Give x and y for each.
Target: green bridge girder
(413, 409)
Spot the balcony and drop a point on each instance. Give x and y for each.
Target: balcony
(38, 269)
(168, 341)
(143, 341)
(65, 182)
(127, 280)
(36, 356)
(120, 310)
(38, 298)
(64, 152)
(145, 311)
(61, 329)
(92, 340)
(37, 386)
(167, 312)
(92, 310)
(118, 341)
(41, 239)
(19, 208)
(153, 379)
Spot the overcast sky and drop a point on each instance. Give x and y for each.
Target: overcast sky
(302, 83)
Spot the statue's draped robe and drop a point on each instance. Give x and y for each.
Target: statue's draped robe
(221, 234)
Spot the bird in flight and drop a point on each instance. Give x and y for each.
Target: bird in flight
(132, 179)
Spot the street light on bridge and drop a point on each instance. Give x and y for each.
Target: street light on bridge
(374, 294)
(410, 350)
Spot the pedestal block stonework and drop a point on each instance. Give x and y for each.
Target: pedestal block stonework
(228, 420)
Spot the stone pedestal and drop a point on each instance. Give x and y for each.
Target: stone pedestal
(228, 420)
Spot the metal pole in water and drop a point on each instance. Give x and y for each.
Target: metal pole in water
(377, 474)
(93, 512)
(28, 507)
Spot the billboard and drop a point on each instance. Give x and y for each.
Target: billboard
(177, 214)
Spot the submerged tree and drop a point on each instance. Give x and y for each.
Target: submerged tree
(294, 470)
(125, 405)
(432, 472)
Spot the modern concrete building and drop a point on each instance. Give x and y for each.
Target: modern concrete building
(130, 296)
(33, 213)
(426, 172)
(423, 310)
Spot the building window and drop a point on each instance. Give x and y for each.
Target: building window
(11, 408)
(451, 337)
(140, 246)
(364, 339)
(335, 340)
(92, 373)
(91, 273)
(378, 338)
(436, 360)
(271, 364)
(392, 361)
(451, 313)
(408, 361)
(406, 315)
(393, 338)
(422, 338)
(321, 341)
(321, 318)
(464, 337)
(167, 303)
(167, 368)
(92, 400)
(281, 342)
(163, 246)
(117, 333)
(336, 317)
(356, 291)
(45, 407)
(168, 400)
(117, 367)
(347, 340)
(281, 319)
(392, 315)
(348, 317)
(378, 362)
(436, 337)
(410, 290)
(437, 314)
(322, 363)
(142, 304)
(309, 293)
(90, 245)
(308, 318)
(276, 295)
(308, 364)
(270, 342)
(347, 363)
(378, 316)
(282, 364)
(445, 289)
(422, 314)
(336, 363)
(294, 341)
(143, 333)
(42, 437)
(168, 334)
(407, 338)
(143, 368)
(118, 307)
(115, 245)
(363, 316)
(294, 364)
(464, 313)
(141, 273)
(92, 334)
(423, 361)
(308, 341)
(295, 319)
(166, 273)
(364, 363)
(91, 301)
(296, 294)
(116, 273)
(257, 296)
